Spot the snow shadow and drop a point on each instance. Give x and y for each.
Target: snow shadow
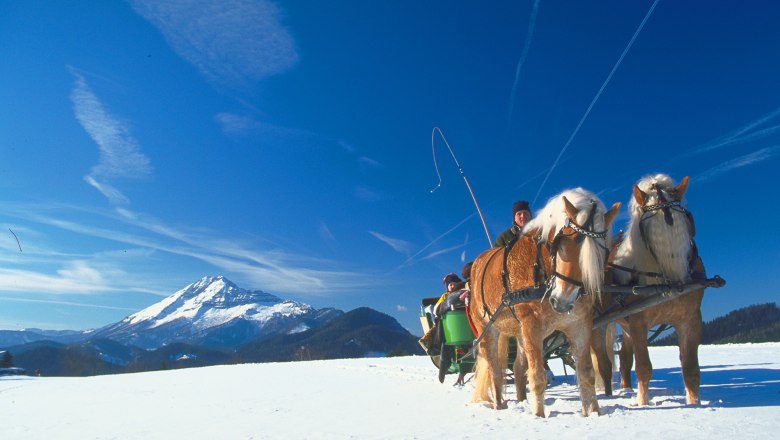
(730, 386)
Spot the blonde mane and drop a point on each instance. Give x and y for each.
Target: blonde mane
(661, 248)
(553, 217)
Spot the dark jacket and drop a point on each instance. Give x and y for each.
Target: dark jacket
(507, 236)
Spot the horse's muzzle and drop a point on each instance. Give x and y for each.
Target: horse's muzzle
(561, 306)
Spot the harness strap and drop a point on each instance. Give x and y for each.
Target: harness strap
(509, 299)
(540, 272)
(505, 271)
(485, 309)
(634, 271)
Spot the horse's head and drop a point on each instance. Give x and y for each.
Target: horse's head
(661, 221)
(575, 225)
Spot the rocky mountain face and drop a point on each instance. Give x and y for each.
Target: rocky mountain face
(214, 312)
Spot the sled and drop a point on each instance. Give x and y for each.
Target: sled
(461, 340)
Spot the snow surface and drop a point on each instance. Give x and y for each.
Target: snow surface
(387, 398)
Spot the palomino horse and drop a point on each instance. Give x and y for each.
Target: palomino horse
(658, 248)
(565, 243)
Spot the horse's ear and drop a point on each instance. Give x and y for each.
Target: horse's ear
(640, 196)
(571, 210)
(679, 190)
(609, 217)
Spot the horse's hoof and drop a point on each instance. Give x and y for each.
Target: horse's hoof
(499, 406)
(593, 411)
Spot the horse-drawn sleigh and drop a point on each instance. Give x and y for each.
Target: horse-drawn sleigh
(653, 275)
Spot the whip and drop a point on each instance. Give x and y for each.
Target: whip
(465, 179)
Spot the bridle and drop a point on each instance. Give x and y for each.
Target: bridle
(666, 207)
(582, 232)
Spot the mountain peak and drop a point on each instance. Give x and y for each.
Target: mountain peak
(213, 304)
(210, 292)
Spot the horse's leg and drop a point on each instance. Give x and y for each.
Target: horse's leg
(537, 378)
(520, 368)
(643, 368)
(503, 351)
(579, 341)
(689, 337)
(626, 355)
(602, 361)
(497, 367)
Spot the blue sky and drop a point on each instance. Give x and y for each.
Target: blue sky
(287, 145)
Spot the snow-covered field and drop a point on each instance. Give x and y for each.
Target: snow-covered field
(386, 398)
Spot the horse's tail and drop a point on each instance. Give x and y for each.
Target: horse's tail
(482, 382)
(485, 381)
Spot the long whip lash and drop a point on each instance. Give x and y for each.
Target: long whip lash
(465, 179)
(595, 98)
(17, 240)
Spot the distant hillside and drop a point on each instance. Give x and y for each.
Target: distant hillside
(55, 359)
(361, 332)
(10, 338)
(358, 333)
(756, 323)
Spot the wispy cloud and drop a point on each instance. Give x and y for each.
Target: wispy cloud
(521, 61)
(231, 42)
(349, 148)
(64, 303)
(327, 235)
(76, 277)
(400, 308)
(596, 98)
(120, 154)
(739, 136)
(367, 164)
(234, 124)
(272, 269)
(367, 194)
(413, 258)
(739, 162)
(400, 246)
(442, 252)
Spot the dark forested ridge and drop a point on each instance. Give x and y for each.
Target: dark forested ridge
(756, 323)
(358, 333)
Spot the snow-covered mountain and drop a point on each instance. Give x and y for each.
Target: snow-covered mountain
(214, 312)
